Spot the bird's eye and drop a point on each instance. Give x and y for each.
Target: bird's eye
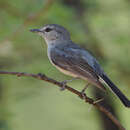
(48, 29)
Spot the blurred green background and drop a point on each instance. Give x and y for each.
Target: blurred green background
(28, 104)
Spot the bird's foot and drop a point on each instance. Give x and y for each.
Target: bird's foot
(83, 95)
(64, 83)
(41, 75)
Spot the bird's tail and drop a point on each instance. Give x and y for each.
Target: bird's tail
(119, 94)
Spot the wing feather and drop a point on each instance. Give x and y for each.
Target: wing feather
(72, 61)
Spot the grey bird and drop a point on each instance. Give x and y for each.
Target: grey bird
(73, 60)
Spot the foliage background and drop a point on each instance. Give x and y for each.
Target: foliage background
(100, 26)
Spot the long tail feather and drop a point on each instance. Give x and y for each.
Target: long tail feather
(119, 94)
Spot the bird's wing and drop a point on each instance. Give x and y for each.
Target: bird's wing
(76, 60)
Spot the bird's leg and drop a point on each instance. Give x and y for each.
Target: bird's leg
(65, 82)
(83, 90)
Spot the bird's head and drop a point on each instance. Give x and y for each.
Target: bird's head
(52, 33)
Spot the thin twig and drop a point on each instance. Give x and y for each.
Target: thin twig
(59, 84)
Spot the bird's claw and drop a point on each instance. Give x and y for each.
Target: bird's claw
(40, 74)
(83, 95)
(63, 85)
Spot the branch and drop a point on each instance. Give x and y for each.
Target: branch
(74, 91)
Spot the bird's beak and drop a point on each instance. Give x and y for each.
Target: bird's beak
(35, 30)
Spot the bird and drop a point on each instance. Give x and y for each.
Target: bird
(73, 60)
